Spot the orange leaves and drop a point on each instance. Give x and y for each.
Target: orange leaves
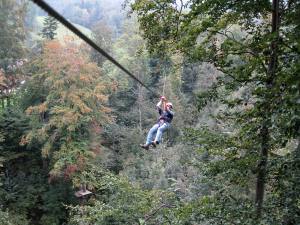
(23, 141)
(42, 107)
(37, 109)
(79, 103)
(101, 97)
(69, 171)
(72, 109)
(100, 87)
(52, 46)
(85, 79)
(64, 117)
(72, 168)
(105, 110)
(30, 110)
(73, 81)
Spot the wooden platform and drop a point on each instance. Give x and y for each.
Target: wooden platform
(82, 193)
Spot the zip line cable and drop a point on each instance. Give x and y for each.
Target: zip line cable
(82, 36)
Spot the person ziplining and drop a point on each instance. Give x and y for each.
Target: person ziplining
(166, 116)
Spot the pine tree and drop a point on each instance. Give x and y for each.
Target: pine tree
(50, 27)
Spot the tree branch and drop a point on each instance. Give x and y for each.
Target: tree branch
(151, 214)
(178, 21)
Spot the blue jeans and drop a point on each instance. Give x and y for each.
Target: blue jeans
(157, 131)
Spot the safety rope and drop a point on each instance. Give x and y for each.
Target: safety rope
(71, 27)
(164, 82)
(165, 78)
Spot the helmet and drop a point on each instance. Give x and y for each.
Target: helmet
(169, 104)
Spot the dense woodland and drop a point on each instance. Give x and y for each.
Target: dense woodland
(70, 119)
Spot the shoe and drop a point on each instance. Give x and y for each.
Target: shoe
(154, 143)
(146, 147)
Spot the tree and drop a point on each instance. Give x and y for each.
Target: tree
(50, 27)
(72, 109)
(103, 37)
(12, 50)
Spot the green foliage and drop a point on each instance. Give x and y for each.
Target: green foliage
(62, 33)
(58, 133)
(13, 124)
(103, 35)
(254, 89)
(5, 218)
(49, 30)
(27, 190)
(12, 34)
(54, 199)
(8, 219)
(12, 50)
(118, 202)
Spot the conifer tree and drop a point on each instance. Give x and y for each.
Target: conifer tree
(49, 29)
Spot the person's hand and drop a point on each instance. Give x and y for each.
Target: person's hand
(163, 98)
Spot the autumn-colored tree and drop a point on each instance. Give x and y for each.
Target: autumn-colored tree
(72, 110)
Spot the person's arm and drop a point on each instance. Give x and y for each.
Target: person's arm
(169, 111)
(158, 106)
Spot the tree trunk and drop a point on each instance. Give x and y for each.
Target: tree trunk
(264, 132)
(8, 101)
(262, 168)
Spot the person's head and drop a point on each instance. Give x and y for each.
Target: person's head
(169, 105)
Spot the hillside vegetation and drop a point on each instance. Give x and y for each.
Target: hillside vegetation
(62, 31)
(73, 126)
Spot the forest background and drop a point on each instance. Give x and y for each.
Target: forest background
(69, 118)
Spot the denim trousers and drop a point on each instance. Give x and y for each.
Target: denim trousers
(157, 131)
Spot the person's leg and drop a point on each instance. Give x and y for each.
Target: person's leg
(151, 134)
(160, 131)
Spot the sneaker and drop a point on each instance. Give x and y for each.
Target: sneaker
(146, 147)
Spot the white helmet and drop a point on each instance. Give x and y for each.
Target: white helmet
(169, 104)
